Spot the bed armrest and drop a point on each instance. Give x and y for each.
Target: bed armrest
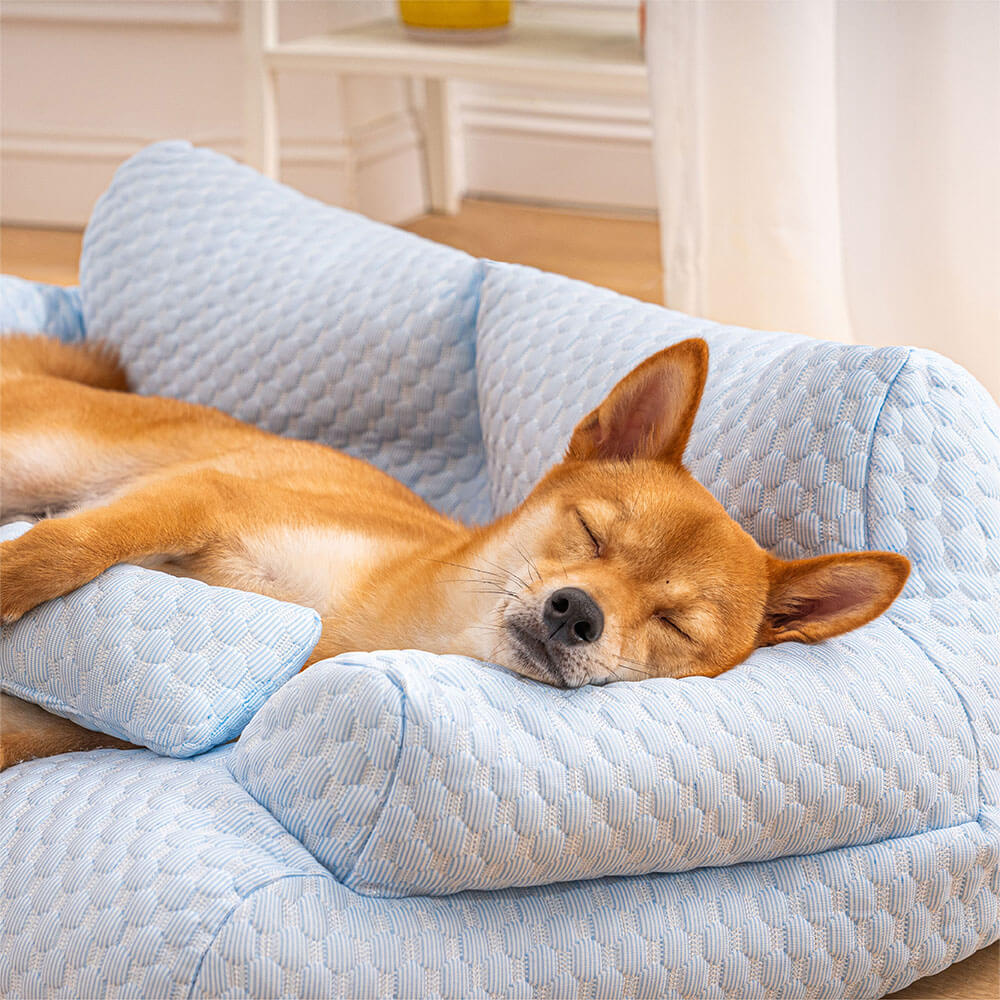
(407, 773)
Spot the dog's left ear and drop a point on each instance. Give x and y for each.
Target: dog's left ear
(650, 412)
(814, 599)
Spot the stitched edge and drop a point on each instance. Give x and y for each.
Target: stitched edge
(866, 493)
(224, 921)
(390, 785)
(940, 667)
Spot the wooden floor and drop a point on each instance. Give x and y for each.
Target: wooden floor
(618, 253)
(622, 254)
(50, 255)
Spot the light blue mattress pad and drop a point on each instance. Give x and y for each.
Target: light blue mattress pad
(821, 821)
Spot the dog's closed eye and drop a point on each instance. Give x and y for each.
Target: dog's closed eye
(671, 624)
(590, 534)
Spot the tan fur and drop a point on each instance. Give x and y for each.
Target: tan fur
(29, 732)
(93, 364)
(682, 588)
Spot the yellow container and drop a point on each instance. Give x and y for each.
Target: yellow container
(451, 18)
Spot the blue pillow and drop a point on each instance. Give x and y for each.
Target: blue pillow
(170, 664)
(411, 774)
(307, 320)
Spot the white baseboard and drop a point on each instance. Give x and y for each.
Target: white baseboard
(566, 152)
(54, 180)
(544, 156)
(189, 13)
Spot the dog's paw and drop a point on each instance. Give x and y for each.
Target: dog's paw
(40, 565)
(18, 583)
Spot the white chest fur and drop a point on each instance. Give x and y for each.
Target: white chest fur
(315, 566)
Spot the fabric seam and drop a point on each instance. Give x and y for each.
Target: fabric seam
(965, 709)
(892, 618)
(291, 663)
(390, 785)
(228, 915)
(873, 436)
(961, 701)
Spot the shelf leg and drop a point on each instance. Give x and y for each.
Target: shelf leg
(352, 187)
(444, 147)
(260, 108)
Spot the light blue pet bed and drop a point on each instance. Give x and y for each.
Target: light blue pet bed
(819, 822)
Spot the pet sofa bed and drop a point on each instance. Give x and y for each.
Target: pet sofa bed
(819, 822)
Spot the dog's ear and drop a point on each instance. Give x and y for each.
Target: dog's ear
(649, 413)
(814, 599)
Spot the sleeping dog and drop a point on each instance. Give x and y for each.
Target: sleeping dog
(618, 566)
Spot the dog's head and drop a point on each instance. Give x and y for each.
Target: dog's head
(621, 566)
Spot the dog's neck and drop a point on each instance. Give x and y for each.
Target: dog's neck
(440, 597)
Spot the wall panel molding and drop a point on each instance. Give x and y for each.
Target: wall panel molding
(207, 13)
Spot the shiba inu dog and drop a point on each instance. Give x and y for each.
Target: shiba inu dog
(618, 566)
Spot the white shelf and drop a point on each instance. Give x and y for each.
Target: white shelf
(602, 56)
(594, 53)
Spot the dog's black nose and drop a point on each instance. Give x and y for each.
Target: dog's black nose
(573, 616)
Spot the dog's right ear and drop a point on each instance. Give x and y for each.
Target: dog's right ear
(650, 412)
(817, 598)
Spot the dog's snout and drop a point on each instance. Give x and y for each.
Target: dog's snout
(573, 616)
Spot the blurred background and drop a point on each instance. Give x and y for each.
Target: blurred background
(823, 166)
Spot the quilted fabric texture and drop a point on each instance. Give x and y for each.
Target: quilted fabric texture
(934, 493)
(120, 868)
(171, 664)
(409, 774)
(128, 875)
(223, 288)
(26, 306)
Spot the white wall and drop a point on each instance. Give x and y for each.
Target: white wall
(85, 83)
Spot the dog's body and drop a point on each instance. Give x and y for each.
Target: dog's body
(618, 566)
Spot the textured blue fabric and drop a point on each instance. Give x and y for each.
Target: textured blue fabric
(934, 493)
(29, 307)
(220, 287)
(131, 875)
(410, 774)
(167, 663)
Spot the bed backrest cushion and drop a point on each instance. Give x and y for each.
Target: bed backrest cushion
(406, 773)
(221, 287)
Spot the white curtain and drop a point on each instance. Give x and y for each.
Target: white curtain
(833, 168)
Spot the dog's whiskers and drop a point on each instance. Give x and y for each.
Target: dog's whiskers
(489, 586)
(498, 593)
(504, 572)
(471, 569)
(490, 583)
(490, 578)
(646, 671)
(532, 568)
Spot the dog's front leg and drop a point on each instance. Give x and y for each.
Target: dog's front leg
(176, 517)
